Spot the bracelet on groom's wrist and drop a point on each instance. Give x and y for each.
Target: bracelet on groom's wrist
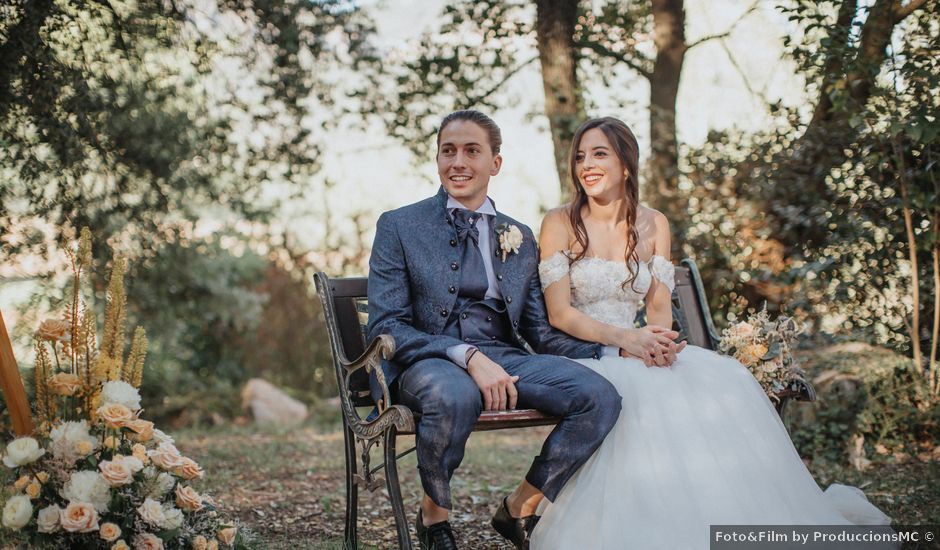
(470, 356)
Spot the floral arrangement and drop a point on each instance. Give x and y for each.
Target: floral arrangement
(763, 346)
(95, 474)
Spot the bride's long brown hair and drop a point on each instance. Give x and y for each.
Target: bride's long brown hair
(625, 146)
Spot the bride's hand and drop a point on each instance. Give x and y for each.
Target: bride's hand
(652, 344)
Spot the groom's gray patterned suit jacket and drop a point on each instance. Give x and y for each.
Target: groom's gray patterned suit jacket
(413, 283)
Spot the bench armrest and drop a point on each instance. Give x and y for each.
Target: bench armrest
(381, 347)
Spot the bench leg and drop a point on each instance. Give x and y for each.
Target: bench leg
(394, 489)
(351, 535)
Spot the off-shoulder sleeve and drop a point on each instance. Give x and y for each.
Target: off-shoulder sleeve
(662, 269)
(553, 269)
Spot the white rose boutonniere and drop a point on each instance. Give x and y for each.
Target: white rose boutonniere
(510, 239)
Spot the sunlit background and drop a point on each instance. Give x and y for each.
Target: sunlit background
(230, 149)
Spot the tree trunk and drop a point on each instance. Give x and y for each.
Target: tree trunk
(663, 185)
(563, 105)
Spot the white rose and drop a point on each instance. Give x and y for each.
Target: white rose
(68, 437)
(132, 462)
(17, 512)
(88, 486)
(79, 517)
(118, 391)
(515, 237)
(172, 517)
(742, 330)
(510, 240)
(151, 512)
(160, 437)
(21, 451)
(47, 521)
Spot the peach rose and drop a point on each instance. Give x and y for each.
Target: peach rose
(116, 473)
(112, 442)
(42, 477)
(143, 429)
(120, 545)
(752, 354)
(84, 447)
(212, 545)
(79, 517)
(32, 490)
(227, 535)
(115, 415)
(188, 499)
(140, 453)
(148, 541)
(109, 532)
(188, 469)
(21, 483)
(166, 456)
(65, 383)
(200, 543)
(55, 330)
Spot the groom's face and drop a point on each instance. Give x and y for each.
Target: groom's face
(465, 162)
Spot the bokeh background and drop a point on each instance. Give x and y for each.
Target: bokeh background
(229, 149)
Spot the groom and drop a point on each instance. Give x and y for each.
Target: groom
(455, 283)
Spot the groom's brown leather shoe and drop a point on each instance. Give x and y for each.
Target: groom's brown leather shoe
(515, 530)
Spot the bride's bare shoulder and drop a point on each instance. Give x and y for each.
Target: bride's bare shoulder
(557, 219)
(650, 217)
(555, 233)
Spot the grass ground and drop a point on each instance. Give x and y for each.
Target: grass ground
(287, 485)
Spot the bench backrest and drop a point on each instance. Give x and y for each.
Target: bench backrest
(345, 309)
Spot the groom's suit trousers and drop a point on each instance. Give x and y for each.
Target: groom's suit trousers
(450, 403)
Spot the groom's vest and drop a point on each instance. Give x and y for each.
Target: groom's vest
(476, 319)
(479, 322)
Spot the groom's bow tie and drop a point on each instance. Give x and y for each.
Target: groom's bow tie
(466, 223)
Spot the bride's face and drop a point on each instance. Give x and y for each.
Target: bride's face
(599, 170)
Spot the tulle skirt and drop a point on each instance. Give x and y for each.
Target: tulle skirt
(696, 444)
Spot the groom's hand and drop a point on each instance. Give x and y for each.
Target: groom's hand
(497, 387)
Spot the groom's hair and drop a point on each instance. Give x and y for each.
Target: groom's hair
(478, 118)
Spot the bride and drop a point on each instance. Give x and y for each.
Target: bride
(697, 442)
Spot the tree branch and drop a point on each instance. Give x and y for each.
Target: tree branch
(602, 50)
(900, 11)
(727, 32)
(495, 87)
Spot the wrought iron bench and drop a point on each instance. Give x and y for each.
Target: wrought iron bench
(345, 309)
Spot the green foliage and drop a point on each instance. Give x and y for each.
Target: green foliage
(445, 71)
(220, 313)
(810, 214)
(869, 392)
(122, 116)
(141, 119)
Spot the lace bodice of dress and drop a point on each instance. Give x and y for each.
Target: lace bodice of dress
(597, 285)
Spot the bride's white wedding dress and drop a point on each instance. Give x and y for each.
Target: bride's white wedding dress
(696, 444)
